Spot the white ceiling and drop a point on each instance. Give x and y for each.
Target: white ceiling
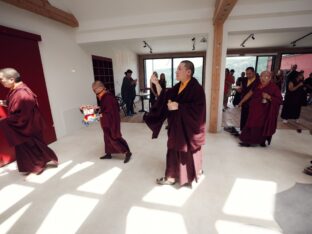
(94, 12)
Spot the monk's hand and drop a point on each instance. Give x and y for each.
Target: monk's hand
(3, 103)
(172, 105)
(266, 96)
(154, 79)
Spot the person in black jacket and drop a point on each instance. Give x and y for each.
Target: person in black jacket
(128, 91)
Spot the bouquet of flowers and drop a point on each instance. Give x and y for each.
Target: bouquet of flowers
(91, 113)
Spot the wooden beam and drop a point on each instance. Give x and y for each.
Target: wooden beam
(216, 72)
(44, 8)
(223, 9)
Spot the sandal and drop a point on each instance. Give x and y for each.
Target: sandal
(164, 181)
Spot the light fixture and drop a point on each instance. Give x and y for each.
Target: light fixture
(252, 36)
(147, 45)
(203, 40)
(193, 40)
(293, 43)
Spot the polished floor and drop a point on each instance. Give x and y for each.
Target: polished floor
(244, 190)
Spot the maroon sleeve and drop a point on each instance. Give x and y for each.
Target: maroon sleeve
(271, 120)
(158, 113)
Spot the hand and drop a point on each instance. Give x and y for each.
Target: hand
(154, 79)
(172, 105)
(266, 96)
(3, 103)
(239, 105)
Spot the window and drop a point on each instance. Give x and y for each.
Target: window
(161, 66)
(168, 66)
(240, 63)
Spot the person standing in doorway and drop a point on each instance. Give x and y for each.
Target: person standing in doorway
(128, 92)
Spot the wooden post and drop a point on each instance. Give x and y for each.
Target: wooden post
(216, 72)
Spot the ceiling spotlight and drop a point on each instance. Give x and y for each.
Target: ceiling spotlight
(293, 43)
(193, 40)
(252, 35)
(148, 46)
(203, 40)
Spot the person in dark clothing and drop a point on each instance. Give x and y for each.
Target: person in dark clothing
(128, 92)
(293, 99)
(153, 91)
(110, 123)
(162, 81)
(24, 125)
(185, 107)
(248, 84)
(238, 83)
(265, 100)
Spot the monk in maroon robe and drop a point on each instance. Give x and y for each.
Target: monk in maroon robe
(249, 83)
(24, 125)
(265, 101)
(110, 123)
(184, 106)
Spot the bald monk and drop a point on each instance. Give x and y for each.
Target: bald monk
(24, 125)
(264, 103)
(184, 106)
(110, 123)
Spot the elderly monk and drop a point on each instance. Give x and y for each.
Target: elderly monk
(265, 101)
(184, 106)
(24, 125)
(110, 123)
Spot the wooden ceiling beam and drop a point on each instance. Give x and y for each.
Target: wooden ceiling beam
(223, 9)
(44, 8)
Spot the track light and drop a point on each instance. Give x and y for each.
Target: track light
(293, 43)
(252, 36)
(147, 45)
(193, 40)
(203, 40)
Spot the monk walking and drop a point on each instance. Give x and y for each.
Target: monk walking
(110, 123)
(23, 127)
(265, 100)
(184, 106)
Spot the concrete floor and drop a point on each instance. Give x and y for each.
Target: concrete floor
(243, 190)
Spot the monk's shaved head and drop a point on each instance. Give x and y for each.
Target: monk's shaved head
(98, 84)
(266, 73)
(10, 73)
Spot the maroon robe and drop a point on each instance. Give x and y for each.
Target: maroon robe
(23, 129)
(262, 118)
(110, 122)
(245, 106)
(186, 129)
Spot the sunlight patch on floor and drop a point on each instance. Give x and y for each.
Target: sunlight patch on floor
(9, 223)
(143, 220)
(12, 194)
(77, 168)
(68, 214)
(171, 195)
(226, 227)
(102, 183)
(251, 198)
(46, 174)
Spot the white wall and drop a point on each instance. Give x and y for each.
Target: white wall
(60, 54)
(123, 59)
